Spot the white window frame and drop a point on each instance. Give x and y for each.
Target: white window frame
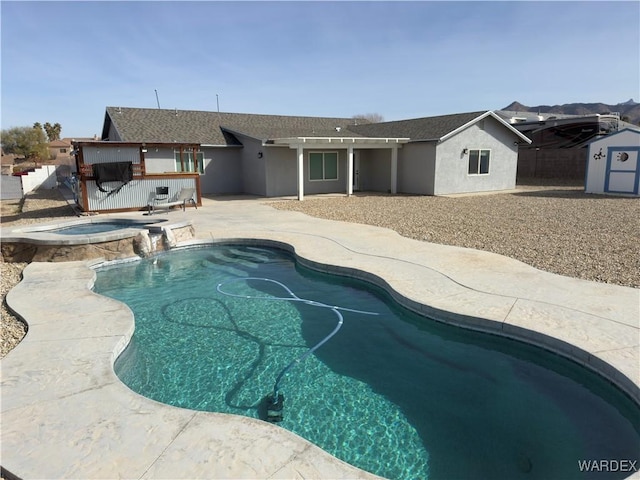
(324, 169)
(199, 161)
(478, 172)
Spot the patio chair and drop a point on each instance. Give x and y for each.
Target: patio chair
(160, 199)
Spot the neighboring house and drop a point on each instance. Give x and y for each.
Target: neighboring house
(60, 148)
(273, 155)
(614, 164)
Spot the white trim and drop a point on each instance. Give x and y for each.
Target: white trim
(300, 164)
(523, 137)
(361, 142)
(195, 161)
(349, 170)
(469, 159)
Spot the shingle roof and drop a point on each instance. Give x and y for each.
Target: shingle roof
(213, 128)
(219, 128)
(59, 143)
(427, 128)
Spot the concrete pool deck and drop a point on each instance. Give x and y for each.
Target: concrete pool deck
(66, 415)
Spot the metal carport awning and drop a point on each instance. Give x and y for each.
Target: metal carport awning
(348, 143)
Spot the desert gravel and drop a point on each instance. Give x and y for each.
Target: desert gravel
(557, 229)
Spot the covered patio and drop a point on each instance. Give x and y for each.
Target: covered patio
(350, 144)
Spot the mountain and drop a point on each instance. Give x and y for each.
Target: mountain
(629, 110)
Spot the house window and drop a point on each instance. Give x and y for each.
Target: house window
(186, 164)
(63, 150)
(323, 166)
(479, 162)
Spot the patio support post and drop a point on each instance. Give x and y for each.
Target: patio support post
(394, 170)
(300, 151)
(349, 170)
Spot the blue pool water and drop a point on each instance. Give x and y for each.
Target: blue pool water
(95, 227)
(394, 393)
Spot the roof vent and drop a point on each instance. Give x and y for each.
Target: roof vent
(338, 129)
(119, 110)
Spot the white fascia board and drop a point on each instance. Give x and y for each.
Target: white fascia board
(215, 145)
(309, 141)
(518, 133)
(481, 117)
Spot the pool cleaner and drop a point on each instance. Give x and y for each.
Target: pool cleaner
(275, 405)
(275, 400)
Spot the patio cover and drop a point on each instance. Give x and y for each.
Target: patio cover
(348, 143)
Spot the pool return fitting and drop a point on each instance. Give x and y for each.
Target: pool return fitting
(275, 399)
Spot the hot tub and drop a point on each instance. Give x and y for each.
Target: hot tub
(89, 238)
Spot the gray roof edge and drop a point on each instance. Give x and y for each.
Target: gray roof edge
(488, 113)
(222, 114)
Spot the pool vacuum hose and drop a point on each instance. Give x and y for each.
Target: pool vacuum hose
(275, 399)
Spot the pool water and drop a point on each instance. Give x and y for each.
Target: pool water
(395, 394)
(94, 227)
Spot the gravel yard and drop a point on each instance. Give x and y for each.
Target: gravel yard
(557, 229)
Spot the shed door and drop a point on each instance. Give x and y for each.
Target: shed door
(623, 170)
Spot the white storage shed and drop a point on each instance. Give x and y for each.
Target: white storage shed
(613, 164)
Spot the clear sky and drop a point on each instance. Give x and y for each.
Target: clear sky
(65, 62)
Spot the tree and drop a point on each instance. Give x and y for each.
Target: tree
(53, 131)
(28, 142)
(369, 117)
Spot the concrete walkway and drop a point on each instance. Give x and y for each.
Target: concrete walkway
(66, 415)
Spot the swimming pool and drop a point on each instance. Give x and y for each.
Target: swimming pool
(392, 393)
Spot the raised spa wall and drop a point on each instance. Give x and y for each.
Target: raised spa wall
(22, 245)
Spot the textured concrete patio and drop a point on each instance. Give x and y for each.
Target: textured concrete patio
(66, 415)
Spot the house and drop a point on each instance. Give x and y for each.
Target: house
(614, 164)
(274, 155)
(60, 148)
(460, 153)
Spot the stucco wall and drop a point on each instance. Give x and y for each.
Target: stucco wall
(222, 171)
(378, 170)
(282, 168)
(416, 167)
(222, 168)
(253, 169)
(452, 166)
